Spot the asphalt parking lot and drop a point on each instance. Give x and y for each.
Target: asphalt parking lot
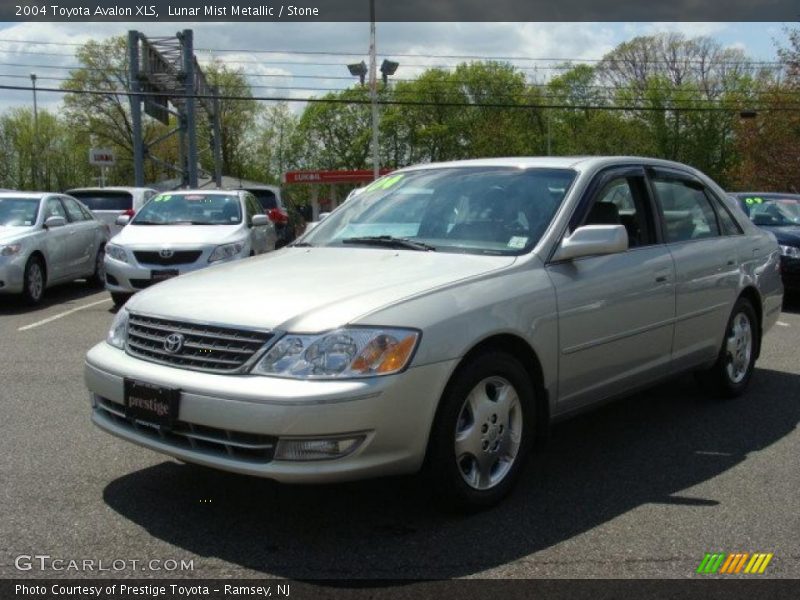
(643, 487)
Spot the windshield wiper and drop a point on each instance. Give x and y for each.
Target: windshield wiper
(389, 241)
(302, 245)
(148, 223)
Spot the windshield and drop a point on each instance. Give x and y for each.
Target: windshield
(482, 210)
(772, 211)
(104, 199)
(190, 209)
(18, 212)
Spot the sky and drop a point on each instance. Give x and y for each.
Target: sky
(280, 74)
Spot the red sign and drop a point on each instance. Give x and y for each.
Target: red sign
(357, 176)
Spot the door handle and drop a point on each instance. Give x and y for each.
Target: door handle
(731, 262)
(661, 279)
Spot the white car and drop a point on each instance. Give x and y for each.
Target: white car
(108, 203)
(184, 231)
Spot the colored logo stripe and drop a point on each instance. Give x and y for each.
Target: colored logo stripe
(720, 562)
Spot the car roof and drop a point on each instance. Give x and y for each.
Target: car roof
(773, 195)
(38, 195)
(109, 188)
(553, 162)
(202, 191)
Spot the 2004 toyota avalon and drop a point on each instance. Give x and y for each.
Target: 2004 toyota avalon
(178, 232)
(440, 320)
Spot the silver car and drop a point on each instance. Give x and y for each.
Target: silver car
(179, 232)
(47, 239)
(440, 320)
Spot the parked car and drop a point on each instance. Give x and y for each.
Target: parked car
(289, 222)
(184, 231)
(780, 215)
(108, 203)
(441, 320)
(46, 239)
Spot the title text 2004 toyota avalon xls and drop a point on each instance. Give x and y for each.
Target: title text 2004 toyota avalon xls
(440, 320)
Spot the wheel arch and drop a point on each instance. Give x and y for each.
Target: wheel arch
(522, 350)
(38, 254)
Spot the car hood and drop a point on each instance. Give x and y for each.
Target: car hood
(789, 235)
(308, 290)
(175, 235)
(9, 234)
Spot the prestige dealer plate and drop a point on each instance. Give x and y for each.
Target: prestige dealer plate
(151, 403)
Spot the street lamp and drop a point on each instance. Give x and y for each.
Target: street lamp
(358, 70)
(35, 156)
(388, 67)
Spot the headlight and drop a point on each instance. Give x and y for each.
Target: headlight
(354, 352)
(119, 330)
(790, 251)
(10, 249)
(117, 253)
(226, 251)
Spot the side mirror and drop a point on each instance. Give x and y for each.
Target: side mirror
(592, 240)
(53, 222)
(123, 220)
(259, 221)
(323, 216)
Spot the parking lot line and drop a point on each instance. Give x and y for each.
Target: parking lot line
(62, 314)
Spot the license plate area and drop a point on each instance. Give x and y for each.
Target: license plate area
(149, 403)
(157, 275)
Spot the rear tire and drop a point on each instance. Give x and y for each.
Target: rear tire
(731, 374)
(119, 299)
(34, 280)
(98, 278)
(483, 432)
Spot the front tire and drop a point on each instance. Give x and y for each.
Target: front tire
(119, 299)
(34, 281)
(483, 431)
(730, 375)
(98, 278)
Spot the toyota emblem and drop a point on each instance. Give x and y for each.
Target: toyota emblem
(173, 343)
(165, 253)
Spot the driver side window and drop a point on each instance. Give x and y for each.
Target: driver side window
(623, 201)
(54, 208)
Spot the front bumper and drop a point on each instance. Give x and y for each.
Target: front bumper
(790, 273)
(132, 277)
(12, 274)
(394, 413)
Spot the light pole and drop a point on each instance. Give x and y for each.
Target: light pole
(373, 90)
(34, 154)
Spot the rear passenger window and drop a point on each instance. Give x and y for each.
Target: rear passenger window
(688, 214)
(726, 220)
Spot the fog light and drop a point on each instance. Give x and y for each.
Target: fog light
(316, 449)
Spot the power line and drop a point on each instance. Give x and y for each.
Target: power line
(628, 108)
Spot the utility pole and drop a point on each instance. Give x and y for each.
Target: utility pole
(373, 90)
(35, 153)
(136, 108)
(187, 37)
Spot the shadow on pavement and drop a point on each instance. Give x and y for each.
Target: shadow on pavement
(647, 448)
(67, 294)
(791, 302)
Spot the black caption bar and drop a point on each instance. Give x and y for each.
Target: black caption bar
(391, 10)
(475, 589)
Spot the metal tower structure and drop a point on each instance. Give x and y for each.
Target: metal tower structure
(167, 68)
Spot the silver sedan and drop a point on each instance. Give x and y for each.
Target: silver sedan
(441, 320)
(47, 239)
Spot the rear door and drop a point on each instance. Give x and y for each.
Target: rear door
(706, 263)
(616, 311)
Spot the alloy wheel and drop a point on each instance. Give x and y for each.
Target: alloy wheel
(739, 347)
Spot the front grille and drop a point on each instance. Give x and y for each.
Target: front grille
(204, 348)
(179, 257)
(250, 447)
